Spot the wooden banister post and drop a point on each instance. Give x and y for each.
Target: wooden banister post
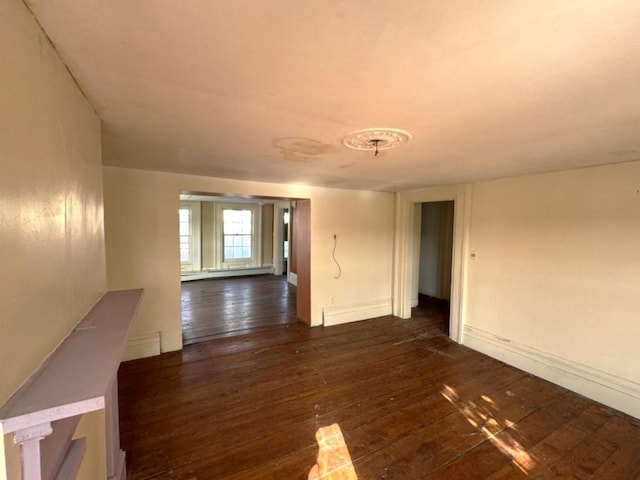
(115, 456)
(29, 441)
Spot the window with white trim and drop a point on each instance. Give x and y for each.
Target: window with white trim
(185, 235)
(237, 228)
(189, 221)
(239, 235)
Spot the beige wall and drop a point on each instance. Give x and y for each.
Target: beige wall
(267, 234)
(557, 274)
(208, 234)
(141, 222)
(548, 271)
(52, 255)
(557, 264)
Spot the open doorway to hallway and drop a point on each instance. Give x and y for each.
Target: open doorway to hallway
(434, 247)
(236, 273)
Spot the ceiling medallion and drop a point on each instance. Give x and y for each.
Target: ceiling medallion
(376, 139)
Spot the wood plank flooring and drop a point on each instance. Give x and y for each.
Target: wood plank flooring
(411, 404)
(230, 306)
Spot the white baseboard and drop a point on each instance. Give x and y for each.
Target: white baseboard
(141, 345)
(336, 315)
(293, 279)
(238, 272)
(616, 392)
(414, 302)
(120, 472)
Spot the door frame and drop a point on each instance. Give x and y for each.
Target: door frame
(405, 250)
(278, 240)
(305, 241)
(300, 255)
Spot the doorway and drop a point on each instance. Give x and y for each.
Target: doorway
(406, 260)
(434, 256)
(281, 234)
(242, 246)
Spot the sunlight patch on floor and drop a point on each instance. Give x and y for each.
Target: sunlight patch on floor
(484, 417)
(334, 461)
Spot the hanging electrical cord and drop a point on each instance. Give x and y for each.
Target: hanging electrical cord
(335, 245)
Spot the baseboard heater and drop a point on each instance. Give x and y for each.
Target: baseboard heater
(235, 272)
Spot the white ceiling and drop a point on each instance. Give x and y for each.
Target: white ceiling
(266, 89)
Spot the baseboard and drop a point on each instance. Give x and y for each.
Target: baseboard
(238, 272)
(292, 278)
(415, 302)
(616, 392)
(120, 472)
(141, 345)
(336, 315)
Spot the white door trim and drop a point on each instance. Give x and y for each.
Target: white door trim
(278, 220)
(405, 251)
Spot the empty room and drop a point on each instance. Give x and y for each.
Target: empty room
(319, 240)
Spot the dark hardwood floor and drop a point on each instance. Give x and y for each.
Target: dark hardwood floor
(236, 305)
(410, 403)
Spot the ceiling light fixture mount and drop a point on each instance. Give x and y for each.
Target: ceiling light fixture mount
(376, 139)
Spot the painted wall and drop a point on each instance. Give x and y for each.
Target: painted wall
(51, 217)
(556, 275)
(267, 234)
(208, 234)
(141, 229)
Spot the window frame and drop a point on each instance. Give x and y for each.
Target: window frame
(194, 264)
(256, 228)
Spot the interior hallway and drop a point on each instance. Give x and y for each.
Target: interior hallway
(411, 404)
(231, 306)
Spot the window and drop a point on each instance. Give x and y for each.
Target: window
(237, 234)
(219, 236)
(189, 218)
(238, 227)
(185, 235)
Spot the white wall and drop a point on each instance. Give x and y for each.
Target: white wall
(141, 226)
(52, 255)
(555, 285)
